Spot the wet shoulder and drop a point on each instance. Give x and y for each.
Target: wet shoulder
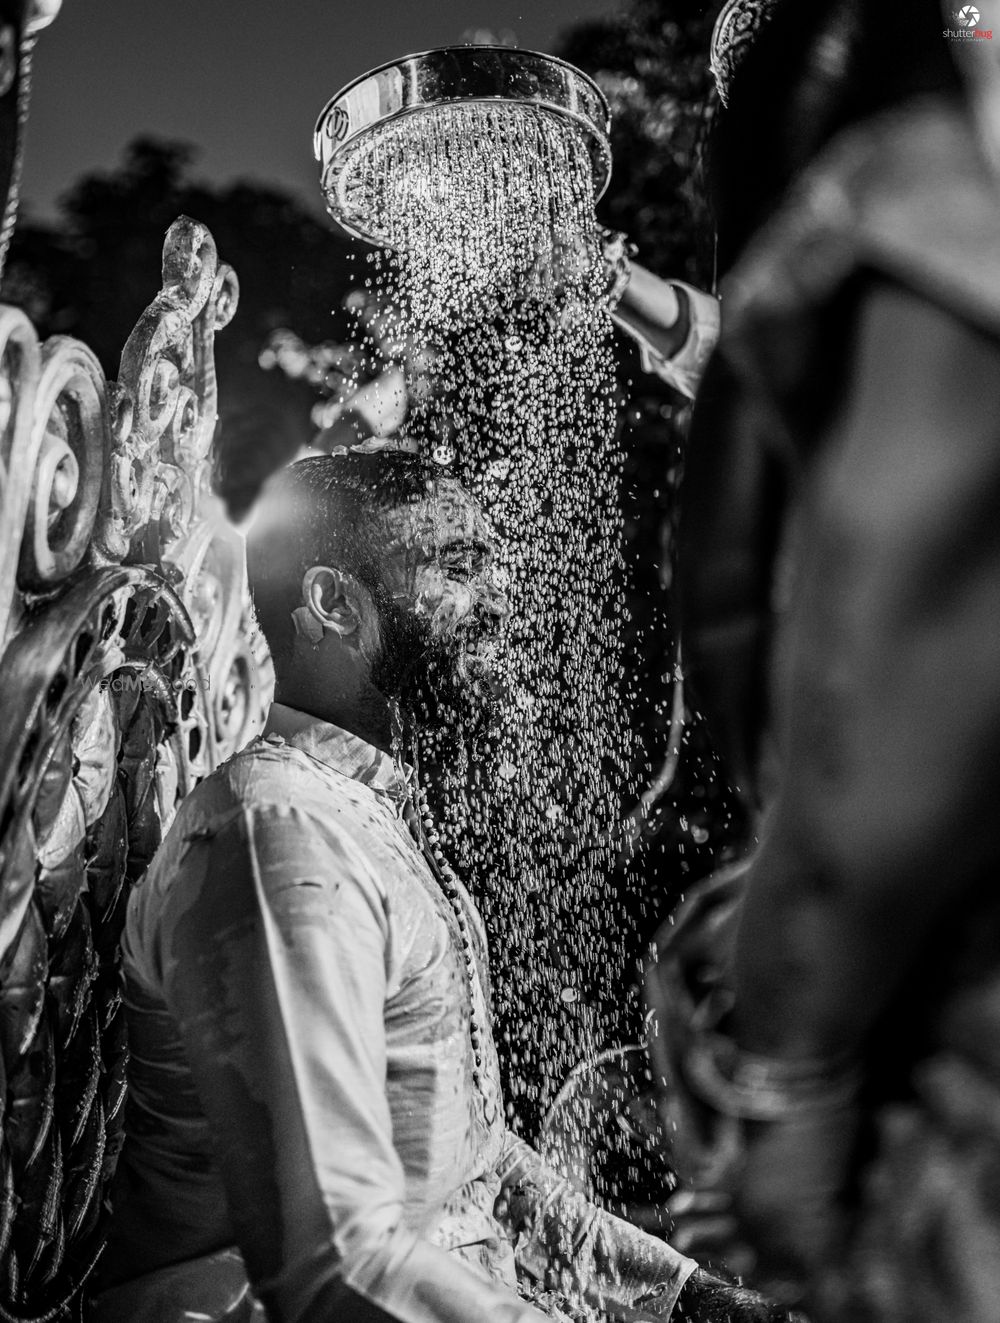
(274, 789)
(266, 775)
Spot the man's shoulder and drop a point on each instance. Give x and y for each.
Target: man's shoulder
(266, 777)
(268, 820)
(268, 791)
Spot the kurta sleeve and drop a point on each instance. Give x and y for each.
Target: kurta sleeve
(648, 314)
(570, 1245)
(272, 958)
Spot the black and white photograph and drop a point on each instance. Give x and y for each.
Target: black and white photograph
(499, 661)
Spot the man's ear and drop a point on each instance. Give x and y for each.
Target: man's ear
(331, 600)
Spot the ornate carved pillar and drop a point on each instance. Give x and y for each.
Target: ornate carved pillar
(130, 666)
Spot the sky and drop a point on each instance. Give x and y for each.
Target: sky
(244, 80)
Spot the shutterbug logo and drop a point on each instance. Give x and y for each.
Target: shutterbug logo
(966, 25)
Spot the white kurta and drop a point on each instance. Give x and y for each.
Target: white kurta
(303, 1083)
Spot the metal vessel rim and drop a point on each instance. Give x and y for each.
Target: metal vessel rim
(441, 50)
(354, 144)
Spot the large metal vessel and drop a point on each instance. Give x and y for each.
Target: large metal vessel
(450, 75)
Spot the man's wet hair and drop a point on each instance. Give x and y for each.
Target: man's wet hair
(320, 511)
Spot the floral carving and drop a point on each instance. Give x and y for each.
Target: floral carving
(130, 665)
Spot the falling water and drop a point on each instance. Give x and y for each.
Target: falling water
(496, 262)
(475, 200)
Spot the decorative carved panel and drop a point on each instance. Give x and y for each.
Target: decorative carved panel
(130, 666)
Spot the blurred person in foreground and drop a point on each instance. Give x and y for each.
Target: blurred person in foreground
(315, 1111)
(829, 1013)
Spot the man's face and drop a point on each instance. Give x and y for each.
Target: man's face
(437, 567)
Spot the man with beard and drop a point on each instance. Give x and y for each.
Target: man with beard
(315, 1106)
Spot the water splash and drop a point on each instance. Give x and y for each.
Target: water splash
(496, 263)
(476, 201)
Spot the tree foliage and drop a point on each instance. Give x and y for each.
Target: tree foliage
(91, 273)
(651, 61)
